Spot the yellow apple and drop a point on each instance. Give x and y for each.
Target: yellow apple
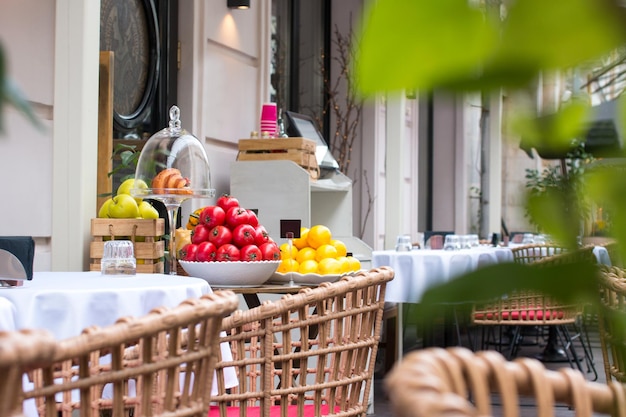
(104, 209)
(146, 211)
(129, 184)
(123, 206)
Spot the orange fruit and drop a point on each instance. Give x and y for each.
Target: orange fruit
(340, 246)
(325, 251)
(308, 267)
(318, 235)
(288, 265)
(284, 251)
(355, 264)
(300, 242)
(344, 264)
(304, 254)
(329, 266)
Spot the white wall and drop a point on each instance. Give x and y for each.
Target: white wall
(224, 77)
(53, 56)
(26, 35)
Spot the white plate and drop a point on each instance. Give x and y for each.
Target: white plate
(232, 274)
(302, 279)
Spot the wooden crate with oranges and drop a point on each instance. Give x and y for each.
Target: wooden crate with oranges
(147, 236)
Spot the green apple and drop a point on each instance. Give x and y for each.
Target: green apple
(146, 211)
(104, 209)
(123, 206)
(129, 184)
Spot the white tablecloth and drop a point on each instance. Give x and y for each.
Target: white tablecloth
(418, 270)
(67, 302)
(8, 315)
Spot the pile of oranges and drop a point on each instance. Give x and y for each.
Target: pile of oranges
(315, 251)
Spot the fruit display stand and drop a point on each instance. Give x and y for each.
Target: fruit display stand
(146, 235)
(282, 189)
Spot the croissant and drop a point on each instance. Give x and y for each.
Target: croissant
(170, 181)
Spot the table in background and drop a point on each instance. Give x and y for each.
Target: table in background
(67, 302)
(418, 270)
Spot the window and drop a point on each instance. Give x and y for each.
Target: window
(300, 45)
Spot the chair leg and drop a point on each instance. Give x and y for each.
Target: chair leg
(587, 350)
(514, 343)
(568, 345)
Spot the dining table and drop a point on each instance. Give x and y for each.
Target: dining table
(420, 269)
(65, 303)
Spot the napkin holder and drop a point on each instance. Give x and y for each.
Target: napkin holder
(17, 254)
(12, 272)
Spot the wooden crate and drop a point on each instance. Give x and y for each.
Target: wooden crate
(298, 150)
(147, 235)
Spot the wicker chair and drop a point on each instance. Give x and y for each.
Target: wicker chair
(612, 313)
(457, 382)
(524, 308)
(158, 364)
(328, 372)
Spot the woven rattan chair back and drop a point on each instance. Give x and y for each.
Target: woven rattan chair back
(158, 364)
(612, 316)
(310, 353)
(531, 308)
(457, 382)
(534, 252)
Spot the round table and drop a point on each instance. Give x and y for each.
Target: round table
(67, 302)
(418, 270)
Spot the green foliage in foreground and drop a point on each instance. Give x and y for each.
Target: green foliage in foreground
(11, 95)
(455, 45)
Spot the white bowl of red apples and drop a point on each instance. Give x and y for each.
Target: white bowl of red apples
(229, 247)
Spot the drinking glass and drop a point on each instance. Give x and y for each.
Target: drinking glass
(451, 242)
(464, 242)
(118, 258)
(403, 243)
(528, 238)
(183, 158)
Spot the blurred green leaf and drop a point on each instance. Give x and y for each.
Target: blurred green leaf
(558, 213)
(417, 44)
(11, 94)
(554, 134)
(424, 45)
(447, 44)
(559, 33)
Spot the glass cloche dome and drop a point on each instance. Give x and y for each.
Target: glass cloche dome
(173, 167)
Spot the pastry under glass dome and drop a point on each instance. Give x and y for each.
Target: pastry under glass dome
(174, 167)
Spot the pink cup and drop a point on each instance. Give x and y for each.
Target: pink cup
(269, 112)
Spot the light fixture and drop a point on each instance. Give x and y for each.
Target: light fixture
(238, 4)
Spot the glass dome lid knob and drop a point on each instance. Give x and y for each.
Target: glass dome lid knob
(174, 118)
